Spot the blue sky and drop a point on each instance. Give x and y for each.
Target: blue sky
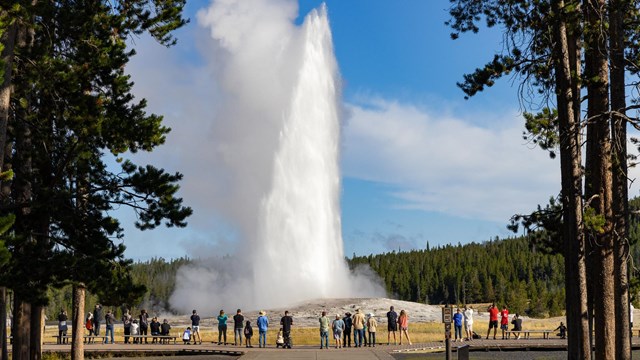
(419, 163)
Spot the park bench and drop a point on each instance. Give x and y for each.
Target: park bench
(87, 338)
(163, 338)
(526, 334)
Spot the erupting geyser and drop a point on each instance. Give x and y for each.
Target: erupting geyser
(300, 232)
(278, 137)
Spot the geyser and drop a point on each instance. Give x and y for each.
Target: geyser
(300, 236)
(280, 137)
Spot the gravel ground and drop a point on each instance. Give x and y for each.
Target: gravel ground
(520, 355)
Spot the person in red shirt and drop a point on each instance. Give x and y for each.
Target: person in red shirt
(504, 321)
(493, 320)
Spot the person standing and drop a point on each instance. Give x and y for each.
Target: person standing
(222, 327)
(109, 319)
(324, 330)
(62, 327)
(195, 327)
(263, 326)
(338, 329)
(457, 325)
(493, 320)
(286, 322)
(358, 328)
(97, 319)
(135, 331)
(504, 321)
(403, 323)
(126, 323)
(144, 325)
(238, 323)
(468, 321)
(392, 325)
(248, 334)
(89, 325)
(348, 324)
(372, 325)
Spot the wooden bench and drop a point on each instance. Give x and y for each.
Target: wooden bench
(163, 338)
(87, 338)
(527, 333)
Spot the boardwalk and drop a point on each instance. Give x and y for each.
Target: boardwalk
(381, 352)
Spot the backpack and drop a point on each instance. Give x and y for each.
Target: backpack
(475, 335)
(89, 325)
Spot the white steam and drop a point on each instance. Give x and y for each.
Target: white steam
(277, 135)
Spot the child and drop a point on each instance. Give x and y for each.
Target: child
(186, 336)
(248, 333)
(280, 340)
(563, 331)
(135, 331)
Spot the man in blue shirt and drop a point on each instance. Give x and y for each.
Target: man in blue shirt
(457, 324)
(263, 325)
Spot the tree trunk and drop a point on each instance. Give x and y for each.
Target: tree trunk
(77, 344)
(8, 40)
(617, 10)
(600, 178)
(4, 354)
(21, 329)
(37, 330)
(565, 50)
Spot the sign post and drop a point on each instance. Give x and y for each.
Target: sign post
(447, 314)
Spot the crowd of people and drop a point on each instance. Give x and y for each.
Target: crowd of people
(140, 328)
(359, 327)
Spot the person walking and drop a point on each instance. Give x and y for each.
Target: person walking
(358, 328)
(338, 328)
(238, 323)
(468, 321)
(324, 330)
(263, 326)
(403, 324)
(195, 327)
(392, 325)
(222, 327)
(348, 324)
(126, 324)
(457, 325)
(372, 325)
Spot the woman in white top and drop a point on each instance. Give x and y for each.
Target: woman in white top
(468, 321)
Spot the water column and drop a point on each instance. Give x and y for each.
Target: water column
(300, 250)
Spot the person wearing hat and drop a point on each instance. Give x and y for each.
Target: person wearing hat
(348, 324)
(359, 323)
(338, 329)
(263, 326)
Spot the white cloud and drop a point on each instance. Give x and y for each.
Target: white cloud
(447, 164)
